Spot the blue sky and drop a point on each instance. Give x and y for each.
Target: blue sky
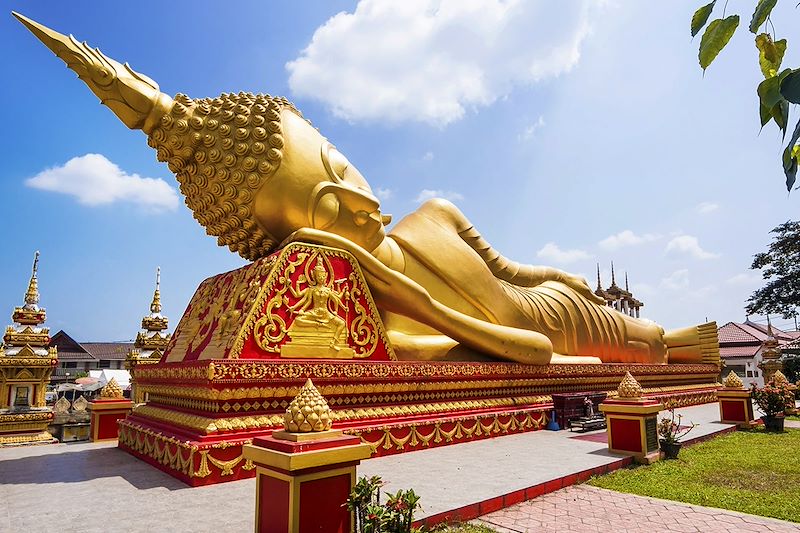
(569, 133)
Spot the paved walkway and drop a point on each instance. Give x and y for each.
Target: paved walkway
(583, 508)
(47, 488)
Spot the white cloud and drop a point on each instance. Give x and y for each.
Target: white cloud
(383, 194)
(744, 278)
(626, 238)
(705, 208)
(432, 60)
(94, 180)
(688, 244)
(676, 281)
(527, 133)
(427, 194)
(552, 252)
(428, 156)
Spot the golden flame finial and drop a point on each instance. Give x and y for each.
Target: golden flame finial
(308, 412)
(155, 305)
(779, 377)
(133, 97)
(732, 381)
(111, 390)
(629, 387)
(32, 294)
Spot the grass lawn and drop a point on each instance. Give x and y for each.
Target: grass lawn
(464, 528)
(747, 471)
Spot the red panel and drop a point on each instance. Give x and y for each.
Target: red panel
(273, 505)
(107, 425)
(321, 502)
(733, 410)
(625, 434)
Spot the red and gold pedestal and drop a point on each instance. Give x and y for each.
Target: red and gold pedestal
(631, 420)
(105, 412)
(303, 480)
(735, 407)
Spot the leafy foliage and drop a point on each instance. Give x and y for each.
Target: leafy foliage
(670, 429)
(395, 516)
(791, 368)
(778, 89)
(773, 398)
(714, 39)
(780, 267)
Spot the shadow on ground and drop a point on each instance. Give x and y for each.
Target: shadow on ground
(83, 465)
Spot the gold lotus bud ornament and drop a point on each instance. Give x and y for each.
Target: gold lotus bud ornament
(111, 390)
(629, 387)
(779, 377)
(733, 381)
(308, 412)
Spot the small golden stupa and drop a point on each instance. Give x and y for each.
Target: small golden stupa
(151, 341)
(308, 412)
(733, 381)
(629, 388)
(26, 362)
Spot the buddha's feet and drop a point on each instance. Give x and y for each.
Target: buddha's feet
(696, 344)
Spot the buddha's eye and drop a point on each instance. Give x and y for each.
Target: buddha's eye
(335, 163)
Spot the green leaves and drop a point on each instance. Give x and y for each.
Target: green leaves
(700, 17)
(716, 36)
(790, 87)
(770, 97)
(763, 9)
(770, 54)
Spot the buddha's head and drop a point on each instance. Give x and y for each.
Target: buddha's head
(251, 168)
(253, 171)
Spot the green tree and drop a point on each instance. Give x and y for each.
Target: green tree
(779, 88)
(780, 267)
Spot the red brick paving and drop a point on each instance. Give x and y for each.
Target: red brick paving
(583, 508)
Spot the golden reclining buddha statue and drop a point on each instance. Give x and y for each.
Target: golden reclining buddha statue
(257, 176)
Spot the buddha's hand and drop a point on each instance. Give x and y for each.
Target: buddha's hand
(581, 286)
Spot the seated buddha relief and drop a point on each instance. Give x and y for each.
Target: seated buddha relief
(257, 175)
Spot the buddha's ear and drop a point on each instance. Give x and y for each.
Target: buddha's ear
(324, 207)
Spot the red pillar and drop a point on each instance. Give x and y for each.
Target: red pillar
(303, 480)
(632, 427)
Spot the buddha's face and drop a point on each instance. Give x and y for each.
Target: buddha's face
(315, 186)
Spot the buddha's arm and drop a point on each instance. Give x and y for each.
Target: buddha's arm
(446, 213)
(399, 294)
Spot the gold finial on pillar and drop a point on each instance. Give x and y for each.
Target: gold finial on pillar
(780, 377)
(732, 381)
(308, 412)
(629, 387)
(32, 294)
(111, 390)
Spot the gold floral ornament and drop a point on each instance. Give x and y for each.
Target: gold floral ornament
(733, 381)
(779, 377)
(111, 390)
(308, 412)
(629, 387)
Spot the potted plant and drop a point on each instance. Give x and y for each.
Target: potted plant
(772, 400)
(670, 432)
(371, 516)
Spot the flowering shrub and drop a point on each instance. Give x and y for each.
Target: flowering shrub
(395, 516)
(773, 397)
(669, 429)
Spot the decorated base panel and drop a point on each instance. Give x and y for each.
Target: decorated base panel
(200, 413)
(234, 363)
(105, 413)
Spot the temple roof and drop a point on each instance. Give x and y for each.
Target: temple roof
(71, 350)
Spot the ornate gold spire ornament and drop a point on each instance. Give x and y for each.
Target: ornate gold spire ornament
(733, 381)
(629, 388)
(112, 390)
(780, 377)
(32, 294)
(308, 412)
(155, 305)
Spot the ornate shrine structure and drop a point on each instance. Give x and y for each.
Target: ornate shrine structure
(26, 363)
(151, 341)
(618, 298)
(422, 336)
